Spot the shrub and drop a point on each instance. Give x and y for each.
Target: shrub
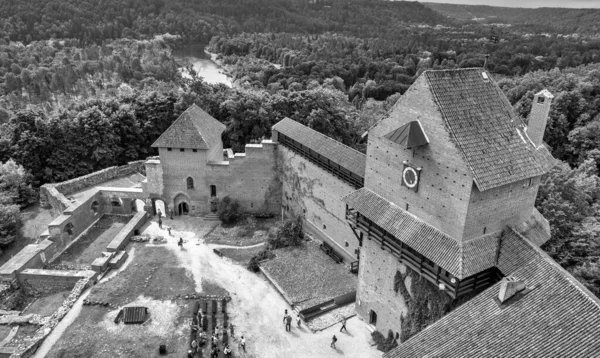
(262, 255)
(229, 210)
(288, 234)
(384, 344)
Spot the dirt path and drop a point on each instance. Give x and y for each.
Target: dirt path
(256, 307)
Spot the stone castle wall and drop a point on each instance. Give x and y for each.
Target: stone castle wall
(56, 198)
(250, 178)
(316, 194)
(376, 287)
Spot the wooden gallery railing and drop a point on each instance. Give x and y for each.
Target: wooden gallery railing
(417, 262)
(323, 162)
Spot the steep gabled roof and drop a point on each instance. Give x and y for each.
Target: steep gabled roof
(485, 128)
(193, 129)
(331, 149)
(558, 318)
(460, 259)
(409, 135)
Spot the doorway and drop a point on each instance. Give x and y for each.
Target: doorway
(183, 209)
(213, 191)
(373, 318)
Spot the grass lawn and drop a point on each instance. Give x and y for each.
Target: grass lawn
(153, 279)
(241, 256)
(248, 231)
(48, 304)
(89, 247)
(308, 276)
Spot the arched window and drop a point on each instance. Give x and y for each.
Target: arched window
(190, 183)
(115, 202)
(69, 228)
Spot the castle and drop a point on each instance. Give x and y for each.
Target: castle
(446, 191)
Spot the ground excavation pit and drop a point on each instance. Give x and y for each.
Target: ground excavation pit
(159, 277)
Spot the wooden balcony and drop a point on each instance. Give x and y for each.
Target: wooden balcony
(428, 269)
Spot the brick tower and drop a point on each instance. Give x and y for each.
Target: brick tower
(447, 171)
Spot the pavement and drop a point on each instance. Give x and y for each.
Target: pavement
(257, 309)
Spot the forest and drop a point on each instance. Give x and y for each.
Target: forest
(90, 84)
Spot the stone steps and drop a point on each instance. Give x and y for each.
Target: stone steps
(211, 217)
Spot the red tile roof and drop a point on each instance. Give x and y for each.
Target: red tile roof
(559, 317)
(485, 128)
(333, 150)
(193, 129)
(460, 259)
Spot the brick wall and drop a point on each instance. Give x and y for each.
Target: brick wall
(249, 178)
(444, 189)
(376, 287)
(316, 194)
(497, 208)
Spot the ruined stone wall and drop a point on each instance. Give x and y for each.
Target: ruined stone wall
(497, 208)
(316, 194)
(443, 194)
(49, 281)
(376, 292)
(80, 216)
(48, 196)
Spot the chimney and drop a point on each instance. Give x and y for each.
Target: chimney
(539, 116)
(509, 286)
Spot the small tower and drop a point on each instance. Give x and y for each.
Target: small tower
(538, 117)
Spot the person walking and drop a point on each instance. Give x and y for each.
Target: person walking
(343, 324)
(333, 340)
(158, 213)
(243, 343)
(298, 320)
(180, 243)
(169, 230)
(288, 323)
(160, 222)
(227, 352)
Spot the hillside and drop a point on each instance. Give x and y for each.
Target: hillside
(562, 20)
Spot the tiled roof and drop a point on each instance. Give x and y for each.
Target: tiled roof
(193, 129)
(460, 259)
(559, 317)
(409, 135)
(485, 128)
(333, 150)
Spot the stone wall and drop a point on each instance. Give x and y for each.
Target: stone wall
(48, 196)
(50, 281)
(80, 216)
(248, 177)
(316, 194)
(376, 287)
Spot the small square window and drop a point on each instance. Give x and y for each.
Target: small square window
(194, 150)
(169, 149)
(540, 100)
(182, 150)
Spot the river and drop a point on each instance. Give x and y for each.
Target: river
(205, 67)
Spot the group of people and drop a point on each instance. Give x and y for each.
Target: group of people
(287, 320)
(159, 215)
(200, 339)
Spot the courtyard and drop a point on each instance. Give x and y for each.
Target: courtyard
(160, 275)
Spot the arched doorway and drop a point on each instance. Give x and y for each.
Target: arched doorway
(159, 204)
(183, 208)
(137, 205)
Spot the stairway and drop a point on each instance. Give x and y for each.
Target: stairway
(211, 217)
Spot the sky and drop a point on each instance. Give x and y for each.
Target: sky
(525, 3)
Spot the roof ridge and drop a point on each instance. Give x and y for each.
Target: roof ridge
(559, 269)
